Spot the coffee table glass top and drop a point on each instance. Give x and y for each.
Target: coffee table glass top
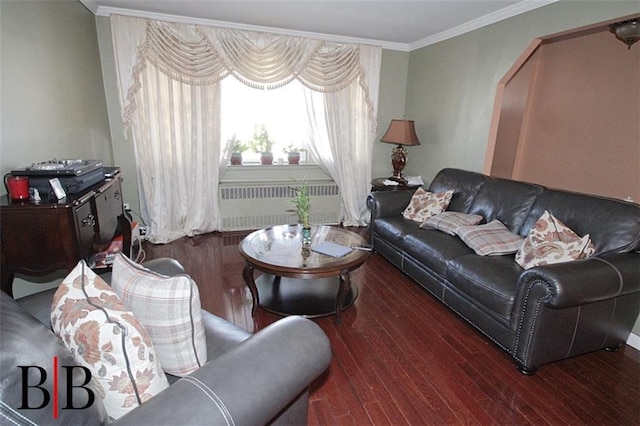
(282, 246)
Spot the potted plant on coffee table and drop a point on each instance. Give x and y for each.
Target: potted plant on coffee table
(302, 203)
(262, 144)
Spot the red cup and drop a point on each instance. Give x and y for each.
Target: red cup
(17, 187)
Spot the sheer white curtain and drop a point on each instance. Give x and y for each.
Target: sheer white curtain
(168, 77)
(342, 137)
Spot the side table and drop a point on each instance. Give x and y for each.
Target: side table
(377, 184)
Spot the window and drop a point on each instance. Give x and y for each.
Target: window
(281, 111)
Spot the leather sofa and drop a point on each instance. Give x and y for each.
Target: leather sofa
(248, 379)
(539, 315)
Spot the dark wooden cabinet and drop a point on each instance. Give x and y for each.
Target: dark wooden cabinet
(38, 239)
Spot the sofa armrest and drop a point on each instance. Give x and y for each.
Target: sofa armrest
(250, 384)
(584, 281)
(388, 203)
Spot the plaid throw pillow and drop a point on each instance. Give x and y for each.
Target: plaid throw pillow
(449, 222)
(169, 308)
(425, 204)
(491, 239)
(551, 241)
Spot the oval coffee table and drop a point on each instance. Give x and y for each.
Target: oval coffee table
(297, 280)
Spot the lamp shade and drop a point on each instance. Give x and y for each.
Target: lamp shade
(401, 132)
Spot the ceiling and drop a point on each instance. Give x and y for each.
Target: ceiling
(395, 24)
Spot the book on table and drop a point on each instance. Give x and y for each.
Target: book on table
(331, 249)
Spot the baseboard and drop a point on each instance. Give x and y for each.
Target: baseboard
(634, 341)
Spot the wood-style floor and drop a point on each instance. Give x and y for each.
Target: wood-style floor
(401, 357)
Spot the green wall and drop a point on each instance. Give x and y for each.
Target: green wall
(53, 102)
(451, 85)
(52, 98)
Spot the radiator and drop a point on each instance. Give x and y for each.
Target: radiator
(258, 206)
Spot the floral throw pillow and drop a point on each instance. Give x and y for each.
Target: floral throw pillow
(491, 239)
(449, 222)
(104, 336)
(169, 309)
(425, 204)
(551, 241)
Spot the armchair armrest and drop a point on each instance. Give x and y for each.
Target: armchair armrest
(388, 203)
(250, 384)
(585, 281)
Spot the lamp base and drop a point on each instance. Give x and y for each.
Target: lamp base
(398, 160)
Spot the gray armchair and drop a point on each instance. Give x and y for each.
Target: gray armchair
(248, 379)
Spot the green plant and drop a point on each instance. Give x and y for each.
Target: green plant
(292, 148)
(302, 202)
(237, 145)
(261, 142)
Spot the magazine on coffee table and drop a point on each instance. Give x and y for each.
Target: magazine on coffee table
(331, 249)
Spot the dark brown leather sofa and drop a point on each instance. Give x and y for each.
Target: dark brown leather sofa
(540, 315)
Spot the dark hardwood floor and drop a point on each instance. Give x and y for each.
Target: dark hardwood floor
(401, 357)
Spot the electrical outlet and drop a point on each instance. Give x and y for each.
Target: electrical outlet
(142, 230)
(127, 207)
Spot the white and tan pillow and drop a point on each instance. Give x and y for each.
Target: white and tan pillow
(169, 308)
(425, 204)
(551, 241)
(104, 336)
(449, 222)
(491, 239)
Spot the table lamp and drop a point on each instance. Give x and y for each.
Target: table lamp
(400, 132)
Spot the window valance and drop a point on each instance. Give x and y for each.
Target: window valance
(199, 55)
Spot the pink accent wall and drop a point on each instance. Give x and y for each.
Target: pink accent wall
(567, 116)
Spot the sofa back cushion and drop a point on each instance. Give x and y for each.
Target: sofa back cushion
(508, 201)
(464, 183)
(613, 225)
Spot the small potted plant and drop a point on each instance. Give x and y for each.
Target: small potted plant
(262, 144)
(293, 154)
(302, 203)
(236, 152)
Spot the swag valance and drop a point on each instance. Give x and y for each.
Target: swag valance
(198, 55)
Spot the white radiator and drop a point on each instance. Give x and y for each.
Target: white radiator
(253, 206)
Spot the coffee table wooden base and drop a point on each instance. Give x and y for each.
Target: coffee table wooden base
(311, 298)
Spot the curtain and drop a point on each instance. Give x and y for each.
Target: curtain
(168, 76)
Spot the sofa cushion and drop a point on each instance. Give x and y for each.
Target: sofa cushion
(507, 201)
(434, 249)
(449, 222)
(551, 241)
(169, 309)
(26, 342)
(425, 204)
(491, 239)
(104, 336)
(489, 281)
(613, 225)
(465, 185)
(395, 229)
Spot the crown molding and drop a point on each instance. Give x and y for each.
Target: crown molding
(108, 11)
(492, 18)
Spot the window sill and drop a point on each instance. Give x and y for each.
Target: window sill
(275, 173)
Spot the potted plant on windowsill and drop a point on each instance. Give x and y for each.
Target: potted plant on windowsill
(293, 154)
(262, 144)
(236, 152)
